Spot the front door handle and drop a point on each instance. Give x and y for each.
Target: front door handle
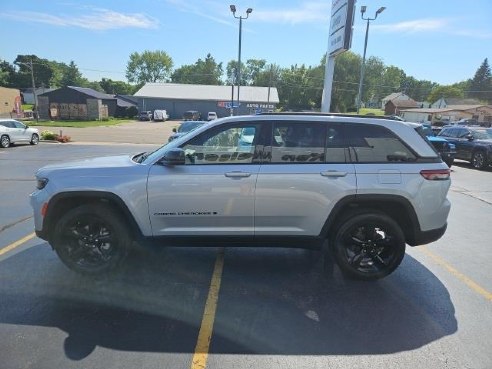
(237, 174)
(333, 173)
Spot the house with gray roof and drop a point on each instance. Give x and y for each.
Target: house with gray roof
(178, 98)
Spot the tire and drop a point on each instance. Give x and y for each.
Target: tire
(34, 139)
(368, 246)
(91, 239)
(479, 160)
(4, 141)
(449, 162)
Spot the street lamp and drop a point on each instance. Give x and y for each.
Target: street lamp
(238, 79)
(361, 80)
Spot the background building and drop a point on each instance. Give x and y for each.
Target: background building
(178, 98)
(80, 103)
(10, 102)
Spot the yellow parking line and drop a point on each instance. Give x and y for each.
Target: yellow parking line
(17, 243)
(200, 356)
(469, 282)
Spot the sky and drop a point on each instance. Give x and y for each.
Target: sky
(442, 41)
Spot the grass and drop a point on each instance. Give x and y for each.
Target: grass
(78, 123)
(371, 111)
(27, 107)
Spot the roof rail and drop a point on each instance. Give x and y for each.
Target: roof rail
(316, 113)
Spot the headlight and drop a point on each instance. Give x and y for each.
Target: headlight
(41, 183)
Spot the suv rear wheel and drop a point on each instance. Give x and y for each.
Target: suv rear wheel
(91, 239)
(368, 246)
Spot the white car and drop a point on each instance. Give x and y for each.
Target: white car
(211, 115)
(13, 131)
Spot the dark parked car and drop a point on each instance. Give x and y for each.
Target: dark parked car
(473, 144)
(192, 115)
(442, 145)
(145, 115)
(185, 128)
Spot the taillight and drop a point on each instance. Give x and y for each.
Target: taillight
(436, 174)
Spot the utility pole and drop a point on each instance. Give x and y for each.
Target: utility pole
(34, 92)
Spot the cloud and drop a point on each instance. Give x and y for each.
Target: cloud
(213, 8)
(413, 26)
(445, 26)
(304, 13)
(99, 19)
(313, 11)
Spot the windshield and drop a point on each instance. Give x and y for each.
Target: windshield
(188, 126)
(484, 134)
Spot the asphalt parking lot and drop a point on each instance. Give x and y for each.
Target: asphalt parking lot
(260, 308)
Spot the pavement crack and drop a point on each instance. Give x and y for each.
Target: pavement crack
(469, 194)
(5, 227)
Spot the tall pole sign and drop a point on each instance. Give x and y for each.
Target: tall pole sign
(339, 40)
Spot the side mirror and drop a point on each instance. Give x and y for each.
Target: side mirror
(173, 157)
(469, 136)
(174, 130)
(26, 127)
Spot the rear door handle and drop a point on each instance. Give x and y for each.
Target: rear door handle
(333, 173)
(237, 174)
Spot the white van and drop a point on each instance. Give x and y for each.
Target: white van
(160, 115)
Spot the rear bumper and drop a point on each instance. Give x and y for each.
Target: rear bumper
(425, 237)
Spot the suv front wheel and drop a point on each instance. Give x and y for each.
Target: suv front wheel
(91, 239)
(479, 159)
(368, 246)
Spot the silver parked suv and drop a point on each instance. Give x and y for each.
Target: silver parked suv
(369, 186)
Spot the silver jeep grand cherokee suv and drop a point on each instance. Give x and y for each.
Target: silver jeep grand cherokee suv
(369, 186)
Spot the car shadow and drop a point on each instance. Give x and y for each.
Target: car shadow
(271, 301)
(467, 164)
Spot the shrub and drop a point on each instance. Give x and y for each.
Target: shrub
(48, 135)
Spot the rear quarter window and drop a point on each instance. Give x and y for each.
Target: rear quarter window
(376, 144)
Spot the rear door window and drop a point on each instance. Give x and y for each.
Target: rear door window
(298, 142)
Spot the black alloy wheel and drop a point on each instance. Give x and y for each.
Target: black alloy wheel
(91, 239)
(369, 246)
(479, 160)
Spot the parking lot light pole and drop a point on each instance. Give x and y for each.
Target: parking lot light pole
(238, 79)
(361, 79)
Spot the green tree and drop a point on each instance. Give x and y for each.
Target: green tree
(116, 87)
(72, 76)
(373, 79)
(267, 76)
(7, 70)
(150, 66)
(481, 83)
(300, 87)
(42, 71)
(202, 72)
(231, 73)
(345, 81)
(444, 91)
